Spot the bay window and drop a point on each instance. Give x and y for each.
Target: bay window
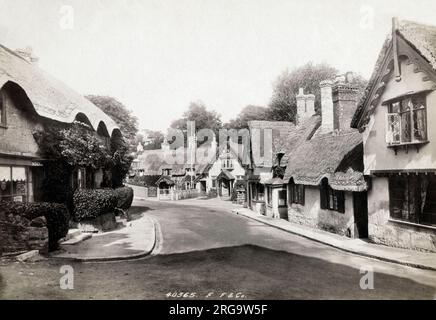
(412, 198)
(406, 121)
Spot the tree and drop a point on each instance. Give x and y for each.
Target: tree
(203, 118)
(249, 113)
(283, 105)
(123, 117)
(156, 137)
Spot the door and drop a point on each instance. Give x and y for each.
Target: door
(360, 204)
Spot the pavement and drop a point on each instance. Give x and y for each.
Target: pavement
(416, 259)
(135, 239)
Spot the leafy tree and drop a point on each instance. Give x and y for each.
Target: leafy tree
(203, 118)
(249, 113)
(283, 105)
(157, 138)
(123, 117)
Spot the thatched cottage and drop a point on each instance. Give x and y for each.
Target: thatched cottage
(32, 100)
(326, 187)
(399, 142)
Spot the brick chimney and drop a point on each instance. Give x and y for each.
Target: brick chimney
(344, 96)
(326, 106)
(305, 106)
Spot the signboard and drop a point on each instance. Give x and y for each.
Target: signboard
(36, 164)
(18, 199)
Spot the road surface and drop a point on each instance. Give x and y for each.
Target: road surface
(208, 252)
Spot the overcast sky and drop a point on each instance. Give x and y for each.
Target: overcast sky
(157, 56)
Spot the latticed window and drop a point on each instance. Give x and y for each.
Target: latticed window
(332, 199)
(412, 198)
(406, 121)
(296, 193)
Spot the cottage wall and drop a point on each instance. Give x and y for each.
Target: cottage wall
(17, 138)
(313, 216)
(377, 156)
(394, 233)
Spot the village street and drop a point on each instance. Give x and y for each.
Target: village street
(206, 251)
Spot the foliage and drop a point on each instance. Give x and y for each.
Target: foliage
(123, 117)
(239, 185)
(203, 118)
(90, 204)
(75, 146)
(283, 104)
(121, 160)
(56, 215)
(125, 197)
(157, 138)
(80, 147)
(249, 113)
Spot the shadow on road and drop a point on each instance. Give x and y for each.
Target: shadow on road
(263, 273)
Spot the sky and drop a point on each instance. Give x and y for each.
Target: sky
(158, 56)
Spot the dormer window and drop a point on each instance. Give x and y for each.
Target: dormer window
(406, 120)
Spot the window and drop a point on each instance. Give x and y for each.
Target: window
(227, 163)
(2, 110)
(332, 199)
(13, 183)
(282, 198)
(269, 195)
(258, 192)
(412, 198)
(213, 182)
(296, 193)
(406, 121)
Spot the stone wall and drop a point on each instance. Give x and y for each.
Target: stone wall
(313, 216)
(18, 234)
(396, 234)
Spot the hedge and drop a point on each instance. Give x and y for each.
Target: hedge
(56, 215)
(90, 203)
(125, 197)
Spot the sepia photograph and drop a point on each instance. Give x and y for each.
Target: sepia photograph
(217, 155)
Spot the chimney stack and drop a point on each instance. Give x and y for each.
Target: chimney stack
(326, 106)
(344, 96)
(305, 106)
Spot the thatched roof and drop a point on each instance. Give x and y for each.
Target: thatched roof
(154, 161)
(421, 37)
(151, 162)
(50, 97)
(285, 136)
(328, 156)
(280, 132)
(165, 179)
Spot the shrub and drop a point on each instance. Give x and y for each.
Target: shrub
(125, 197)
(56, 215)
(90, 204)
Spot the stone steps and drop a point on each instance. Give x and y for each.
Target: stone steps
(76, 237)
